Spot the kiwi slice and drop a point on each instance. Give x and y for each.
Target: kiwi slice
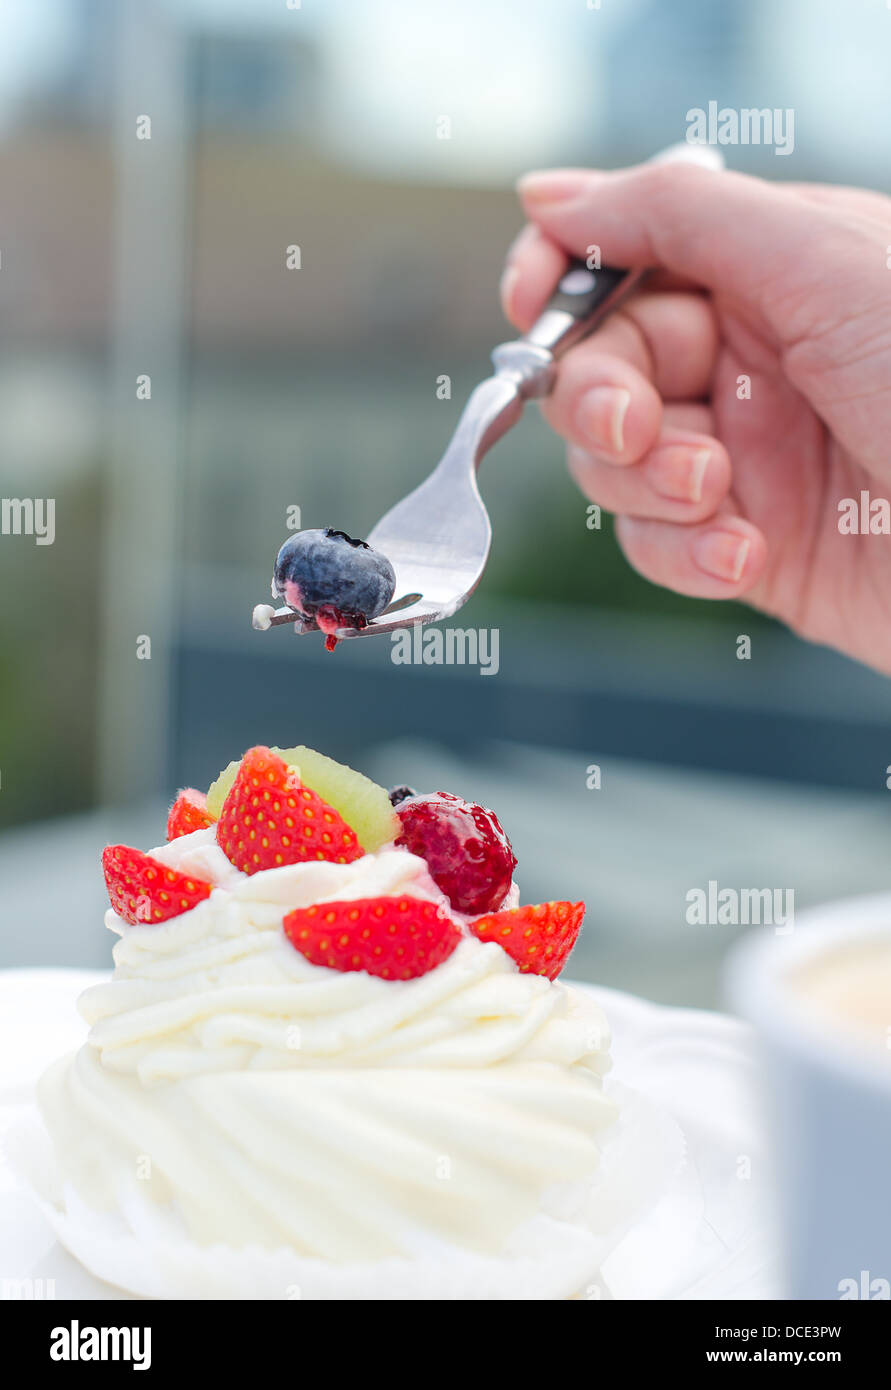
(220, 789)
(362, 803)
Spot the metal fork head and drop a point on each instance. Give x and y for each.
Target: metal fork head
(437, 538)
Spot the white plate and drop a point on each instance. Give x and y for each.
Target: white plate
(709, 1237)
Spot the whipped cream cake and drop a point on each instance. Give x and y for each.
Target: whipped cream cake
(334, 1042)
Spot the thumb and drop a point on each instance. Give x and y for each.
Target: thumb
(749, 241)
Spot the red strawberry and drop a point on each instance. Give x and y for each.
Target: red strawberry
(269, 819)
(188, 813)
(143, 890)
(393, 938)
(538, 938)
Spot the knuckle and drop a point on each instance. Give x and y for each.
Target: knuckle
(662, 181)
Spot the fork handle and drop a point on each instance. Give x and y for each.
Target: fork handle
(585, 295)
(582, 300)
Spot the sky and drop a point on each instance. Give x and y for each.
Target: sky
(37, 35)
(511, 75)
(507, 74)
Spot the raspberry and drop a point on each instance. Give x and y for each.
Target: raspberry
(468, 854)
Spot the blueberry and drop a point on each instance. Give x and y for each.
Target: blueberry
(400, 794)
(332, 580)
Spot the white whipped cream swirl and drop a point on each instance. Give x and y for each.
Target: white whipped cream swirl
(259, 1099)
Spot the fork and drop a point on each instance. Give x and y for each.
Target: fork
(437, 538)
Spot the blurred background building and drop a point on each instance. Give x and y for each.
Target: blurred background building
(275, 125)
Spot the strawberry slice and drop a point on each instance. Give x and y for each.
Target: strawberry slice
(393, 938)
(188, 813)
(143, 890)
(538, 938)
(269, 819)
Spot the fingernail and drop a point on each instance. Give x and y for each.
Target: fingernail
(507, 285)
(678, 472)
(551, 185)
(722, 554)
(601, 417)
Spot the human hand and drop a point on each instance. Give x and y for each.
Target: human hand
(724, 489)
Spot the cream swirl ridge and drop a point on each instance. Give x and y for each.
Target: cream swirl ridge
(233, 1092)
(221, 987)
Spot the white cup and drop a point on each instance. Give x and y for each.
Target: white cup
(827, 1094)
